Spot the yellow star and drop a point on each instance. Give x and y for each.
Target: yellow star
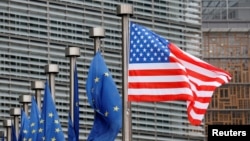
(56, 121)
(41, 121)
(25, 131)
(106, 113)
(96, 79)
(116, 108)
(24, 139)
(51, 115)
(33, 131)
(32, 124)
(106, 74)
(30, 139)
(40, 130)
(57, 130)
(53, 139)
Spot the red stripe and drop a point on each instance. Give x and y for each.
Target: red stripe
(152, 85)
(158, 72)
(158, 98)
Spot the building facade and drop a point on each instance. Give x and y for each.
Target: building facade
(34, 33)
(226, 42)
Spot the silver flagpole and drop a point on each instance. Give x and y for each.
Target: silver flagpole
(25, 100)
(125, 11)
(16, 112)
(52, 70)
(38, 86)
(97, 33)
(72, 53)
(7, 125)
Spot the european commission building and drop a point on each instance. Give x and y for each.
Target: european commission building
(35, 33)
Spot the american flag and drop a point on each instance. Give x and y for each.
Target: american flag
(160, 71)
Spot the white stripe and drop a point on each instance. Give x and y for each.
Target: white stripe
(174, 91)
(204, 93)
(177, 78)
(155, 66)
(200, 82)
(200, 105)
(196, 116)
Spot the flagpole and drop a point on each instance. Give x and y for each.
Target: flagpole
(16, 112)
(25, 100)
(52, 70)
(97, 33)
(38, 86)
(72, 53)
(7, 125)
(125, 11)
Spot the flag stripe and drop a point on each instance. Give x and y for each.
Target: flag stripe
(158, 85)
(150, 98)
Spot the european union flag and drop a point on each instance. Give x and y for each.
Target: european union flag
(74, 127)
(24, 127)
(49, 126)
(71, 131)
(104, 98)
(34, 120)
(13, 133)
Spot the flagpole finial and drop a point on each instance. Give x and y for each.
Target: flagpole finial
(7, 124)
(25, 100)
(97, 33)
(72, 52)
(52, 70)
(16, 112)
(124, 9)
(38, 86)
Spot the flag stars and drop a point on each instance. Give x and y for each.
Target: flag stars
(116, 108)
(53, 139)
(137, 59)
(106, 114)
(40, 130)
(51, 115)
(57, 130)
(96, 80)
(106, 74)
(41, 121)
(25, 131)
(32, 124)
(56, 121)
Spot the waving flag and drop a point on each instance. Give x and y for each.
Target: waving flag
(49, 124)
(24, 127)
(13, 133)
(34, 120)
(71, 131)
(160, 71)
(104, 98)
